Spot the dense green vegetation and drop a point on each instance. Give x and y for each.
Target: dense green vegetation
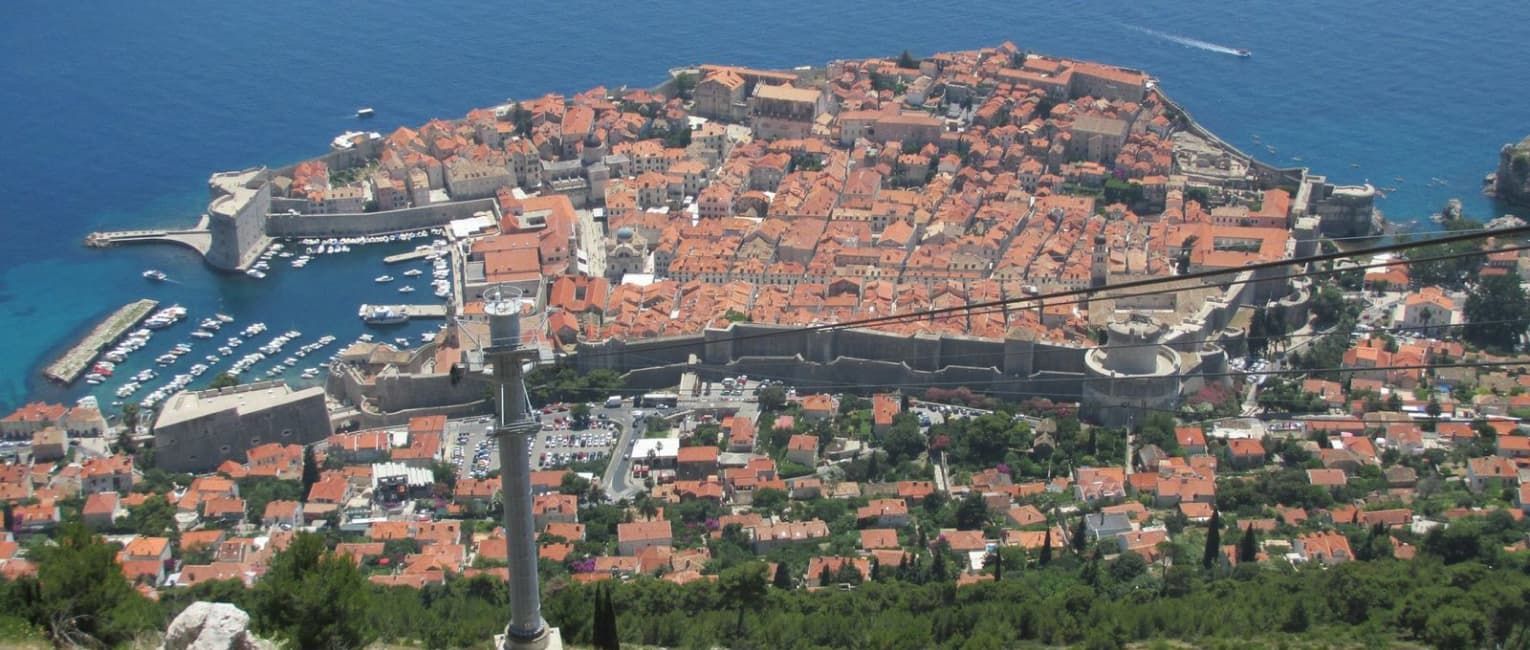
(1462, 592)
(1496, 312)
(561, 383)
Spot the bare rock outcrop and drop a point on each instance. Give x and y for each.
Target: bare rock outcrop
(212, 626)
(1512, 182)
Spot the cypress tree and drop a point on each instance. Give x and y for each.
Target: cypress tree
(1213, 540)
(310, 471)
(1046, 548)
(1296, 618)
(1248, 547)
(783, 578)
(9, 521)
(824, 577)
(1080, 535)
(603, 631)
(998, 567)
(938, 568)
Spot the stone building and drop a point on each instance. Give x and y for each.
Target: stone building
(236, 217)
(195, 431)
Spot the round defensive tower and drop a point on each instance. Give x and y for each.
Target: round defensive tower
(1132, 374)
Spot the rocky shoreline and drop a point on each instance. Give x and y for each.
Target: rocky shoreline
(1511, 183)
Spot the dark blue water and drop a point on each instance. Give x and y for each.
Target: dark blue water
(115, 114)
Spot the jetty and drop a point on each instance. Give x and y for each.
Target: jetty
(405, 257)
(198, 238)
(416, 311)
(69, 366)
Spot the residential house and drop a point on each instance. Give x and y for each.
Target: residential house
(1494, 472)
(695, 463)
(101, 510)
(633, 537)
(769, 536)
(803, 449)
(107, 474)
(1100, 525)
(885, 407)
(1327, 547)
(886, 513)
(832, 566)
(287, 514)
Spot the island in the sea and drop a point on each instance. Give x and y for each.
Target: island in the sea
(653, 227)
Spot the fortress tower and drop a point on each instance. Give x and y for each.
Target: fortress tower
(1132, 374)
(236, 217)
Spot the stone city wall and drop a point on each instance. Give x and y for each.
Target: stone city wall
(372, 223)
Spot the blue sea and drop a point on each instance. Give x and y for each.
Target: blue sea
(116, 113)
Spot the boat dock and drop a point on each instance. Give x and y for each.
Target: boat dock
(417, 311)
(69, 366)
(405, 257)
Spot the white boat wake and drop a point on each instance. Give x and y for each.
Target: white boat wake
(1190, 42)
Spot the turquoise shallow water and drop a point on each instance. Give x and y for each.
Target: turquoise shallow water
(116, 114)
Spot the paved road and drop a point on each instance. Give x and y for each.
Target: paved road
(592, 241)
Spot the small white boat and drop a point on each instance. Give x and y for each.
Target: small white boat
(383, 278)
(155, 275)
(202, 334)
(365, 112)
(413, 272)
(406, 289)
(256, 273)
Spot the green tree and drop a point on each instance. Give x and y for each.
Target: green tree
(972, 512)
(83, 598)
(155, 517)
(903, 441)
(580, 414)
(1297, 618)
(1213, 540)
(1045, 557)
(1127, 567)
(907, 61)
(743, 587)
(312, 598)
(773, 398)
(1080, 536)
(1328, 305)
(223, 380)
(783, 577)
(604, 635)
(1496, 311)
(1248, 546)
(310, 471)
(769, 500)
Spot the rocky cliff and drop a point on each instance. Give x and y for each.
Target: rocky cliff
(1512, 182)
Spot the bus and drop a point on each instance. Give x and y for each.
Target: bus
(658, 400)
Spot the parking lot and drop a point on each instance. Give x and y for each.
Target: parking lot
(470, 447)
(558, 444)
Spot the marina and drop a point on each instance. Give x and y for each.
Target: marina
(148, 365)
(69, 366)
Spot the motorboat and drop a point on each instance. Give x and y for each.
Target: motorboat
(413, 272)
(1243, 53)
(256, 273)
(365, 112)
(382, 315)
(383, 278)
(406, 289)
(155, 275)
